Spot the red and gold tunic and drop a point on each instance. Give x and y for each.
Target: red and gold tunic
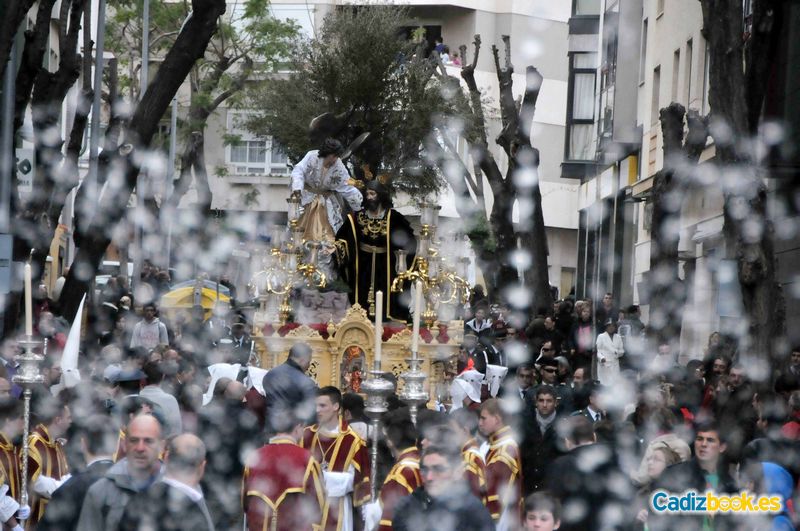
(338, 452)
(45, 457)
(503, 475)
(282, 488)
(119, 453)
(9, 467)
(403, 479)
(474, 469)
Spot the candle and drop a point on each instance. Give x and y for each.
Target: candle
(426, 214)
(28, 302)
(378, 328)
(417, 315)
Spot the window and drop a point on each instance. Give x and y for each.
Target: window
(580, 111)
(643, 52)
(586, 7)
(583, 96)
(660, 7)
(676, 72)
(251, 154)
(654, 103)
(687, 76)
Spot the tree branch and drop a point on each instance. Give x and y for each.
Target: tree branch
(760, 51)
(188, 48)
(696, 136)
(533, 84)
(237, 85)
(63, 14)
(32, 58)
(671, 118)
(157, 38)
(12, 18)
(508, 106)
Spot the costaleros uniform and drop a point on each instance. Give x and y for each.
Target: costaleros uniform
(282, 488)
(46, 457)
(403, 479)
(341, 452)
(9, 467)
(365, 248)
(474, 469)
(503, 478)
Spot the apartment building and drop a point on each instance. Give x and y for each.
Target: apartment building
(674, 68)
(651, 53)
(601, 146)
(256, 177)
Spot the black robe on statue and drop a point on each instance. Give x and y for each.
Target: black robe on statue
(362, 244)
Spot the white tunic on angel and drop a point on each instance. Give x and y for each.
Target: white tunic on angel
(326, 187)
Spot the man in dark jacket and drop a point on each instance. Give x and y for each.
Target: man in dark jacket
(287, 389)
(175, 503)
(98, 439)
(106, 499)
(540, 443)
(444, 502)
(230, 431)
(588, 480)
(706, 471)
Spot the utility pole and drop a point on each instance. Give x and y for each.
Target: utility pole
(170, 181)
(140, 184)
(8, 169)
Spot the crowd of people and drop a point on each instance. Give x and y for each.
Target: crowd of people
(581, 433)
(573, 421)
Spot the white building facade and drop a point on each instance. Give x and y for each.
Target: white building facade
(254, 175)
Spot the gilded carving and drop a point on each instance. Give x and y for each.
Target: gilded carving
(331, 364)
(312, 370)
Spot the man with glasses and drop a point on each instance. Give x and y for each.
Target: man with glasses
(547, 351)
(444, 501)
(548, 371)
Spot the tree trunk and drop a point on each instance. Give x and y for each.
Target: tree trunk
(476, 226)
(737, 87)
(526, 180)
(666, 290)
(32, 57)
(188, 48)
(522, 179)
(45, 91)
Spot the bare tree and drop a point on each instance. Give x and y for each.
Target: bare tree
(126, 161)
(519, 184)
(685, 137)
(739, 69)
(44, 92)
